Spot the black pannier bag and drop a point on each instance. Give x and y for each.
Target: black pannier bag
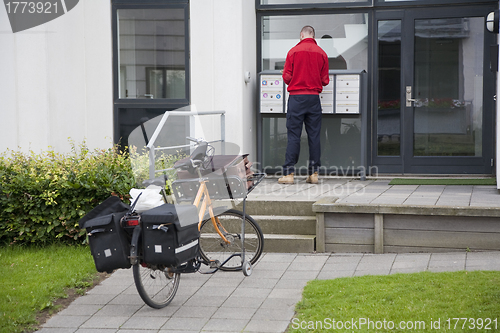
(108, 241)
(170, 234)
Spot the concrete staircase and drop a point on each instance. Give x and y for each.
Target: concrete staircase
(288, 226)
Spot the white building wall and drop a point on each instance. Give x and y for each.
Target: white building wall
(56, 81)
(223, 39)
(57, 78)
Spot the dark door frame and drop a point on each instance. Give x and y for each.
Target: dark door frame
(406, 163)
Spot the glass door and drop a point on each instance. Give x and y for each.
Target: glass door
(435, 92)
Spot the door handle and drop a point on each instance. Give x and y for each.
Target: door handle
(408, 96)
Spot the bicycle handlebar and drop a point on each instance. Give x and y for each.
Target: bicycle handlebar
(198, 141)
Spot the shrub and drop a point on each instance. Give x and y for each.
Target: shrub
(43, 196)
(139, 160)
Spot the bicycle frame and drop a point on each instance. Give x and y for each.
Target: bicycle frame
(207, 203)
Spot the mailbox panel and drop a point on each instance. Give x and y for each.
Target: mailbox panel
(272, 93)
(348, 81)
(342, 95)
(347, 93)
(347, 108)
(326, 96)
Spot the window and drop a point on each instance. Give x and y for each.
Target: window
(306, 2)
(165, 82)
(152, 53)
(150, 60)
(448, 87)
(344, 37)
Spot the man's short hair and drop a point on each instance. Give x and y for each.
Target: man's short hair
(308, 31)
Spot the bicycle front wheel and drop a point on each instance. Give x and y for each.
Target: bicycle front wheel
(155, 284)
(213, 247)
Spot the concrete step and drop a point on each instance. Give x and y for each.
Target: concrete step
(286, 225)
(283, 208)
(281, 243)
(289, 243)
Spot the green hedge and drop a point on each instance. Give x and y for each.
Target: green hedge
(43, 196)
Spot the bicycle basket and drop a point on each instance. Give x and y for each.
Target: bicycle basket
(225, 178)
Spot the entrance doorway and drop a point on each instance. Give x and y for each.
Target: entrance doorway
(435, 92)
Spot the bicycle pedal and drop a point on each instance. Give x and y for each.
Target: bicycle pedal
(214, 264)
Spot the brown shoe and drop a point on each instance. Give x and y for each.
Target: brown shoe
(286, 179)
(313, 179)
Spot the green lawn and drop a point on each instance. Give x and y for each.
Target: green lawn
(419, 302)
(32, 278)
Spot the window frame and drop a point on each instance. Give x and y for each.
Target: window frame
(159, 102)
(307, 5)
(156, 106)
(426, 3)
(314, 11)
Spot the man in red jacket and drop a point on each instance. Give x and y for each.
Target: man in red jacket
(305, 72)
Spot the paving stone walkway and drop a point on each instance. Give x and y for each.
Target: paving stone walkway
(264, 302)
(229, 302)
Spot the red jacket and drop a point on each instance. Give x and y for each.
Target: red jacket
(306, 68)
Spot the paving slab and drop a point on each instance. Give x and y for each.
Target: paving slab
(195, 312)
(328, 275)
(234, 313)
(104, 330)
(61, 330)
(140, 322)
(225, 325)
(345, 266)
(101, 322)
(267, 326)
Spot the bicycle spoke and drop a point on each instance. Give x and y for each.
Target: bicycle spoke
(156, 287)
(213, 247)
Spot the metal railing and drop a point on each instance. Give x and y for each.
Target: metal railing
(151, 144)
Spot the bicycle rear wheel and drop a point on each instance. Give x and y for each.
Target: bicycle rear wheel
(155, 284)
(213, 247)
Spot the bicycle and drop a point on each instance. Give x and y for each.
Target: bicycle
(225, 234)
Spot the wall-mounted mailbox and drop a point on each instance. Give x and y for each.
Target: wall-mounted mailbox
(343, 95)
(326, 96)
(347, 93)
(271, 92)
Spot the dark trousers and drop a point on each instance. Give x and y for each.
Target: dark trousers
(303, 110)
